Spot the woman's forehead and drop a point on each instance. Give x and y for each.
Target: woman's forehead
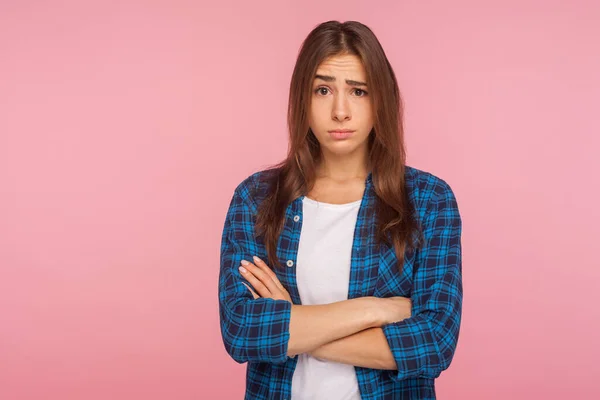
(348, 66)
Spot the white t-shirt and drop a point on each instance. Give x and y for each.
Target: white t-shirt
(322, 275)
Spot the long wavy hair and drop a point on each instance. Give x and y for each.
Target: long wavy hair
(295, 175)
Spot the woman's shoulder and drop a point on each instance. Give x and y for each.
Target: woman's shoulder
(426, 188)
(257, 180)
(255, 186)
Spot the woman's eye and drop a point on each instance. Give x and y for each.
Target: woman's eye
(323, 91)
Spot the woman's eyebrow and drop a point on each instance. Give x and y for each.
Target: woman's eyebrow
(350, 82)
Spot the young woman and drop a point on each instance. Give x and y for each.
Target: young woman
(341, 272)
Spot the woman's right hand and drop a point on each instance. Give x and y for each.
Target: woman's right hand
(393, 309)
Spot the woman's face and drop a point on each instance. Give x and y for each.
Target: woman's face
(340, 101)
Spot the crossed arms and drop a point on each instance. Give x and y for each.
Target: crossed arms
(350, 331)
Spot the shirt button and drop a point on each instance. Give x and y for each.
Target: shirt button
(296, 218)
(290, 263)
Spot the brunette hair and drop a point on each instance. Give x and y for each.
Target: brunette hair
(295, 175)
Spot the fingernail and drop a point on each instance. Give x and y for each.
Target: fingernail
(242, 270)
(244, 262)
(256, 259)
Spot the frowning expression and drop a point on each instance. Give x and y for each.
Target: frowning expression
(341, 115)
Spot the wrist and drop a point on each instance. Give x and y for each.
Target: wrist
(373, 311)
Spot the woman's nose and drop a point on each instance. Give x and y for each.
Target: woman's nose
(341, 110)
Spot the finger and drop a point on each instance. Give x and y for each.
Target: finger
(255, 281)
(260, 263)
(256, 296)
(263, 277)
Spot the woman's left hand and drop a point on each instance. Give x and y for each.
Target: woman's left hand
(263, 280)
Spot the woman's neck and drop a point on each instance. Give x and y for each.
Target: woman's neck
(342, 169)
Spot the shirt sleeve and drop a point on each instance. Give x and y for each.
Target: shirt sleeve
(424, 344)
(252, 329)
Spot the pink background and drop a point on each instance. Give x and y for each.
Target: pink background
(125, 126)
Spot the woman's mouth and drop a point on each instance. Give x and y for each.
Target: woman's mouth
(341, 134)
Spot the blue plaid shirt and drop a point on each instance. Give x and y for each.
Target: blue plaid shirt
(257, 330)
